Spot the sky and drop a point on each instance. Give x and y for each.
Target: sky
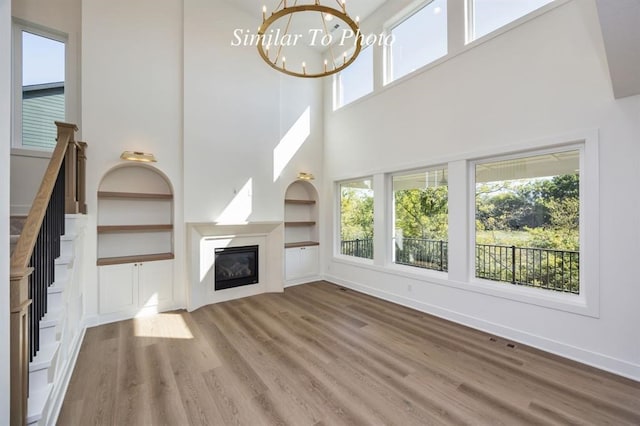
(42, 60)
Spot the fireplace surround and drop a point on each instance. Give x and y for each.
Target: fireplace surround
(203, 241)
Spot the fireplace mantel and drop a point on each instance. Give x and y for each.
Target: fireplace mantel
(204, 238)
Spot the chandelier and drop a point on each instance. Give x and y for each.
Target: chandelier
(317, 26)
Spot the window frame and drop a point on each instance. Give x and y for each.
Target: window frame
(388, 28)
(390, 239)
(337, 240)
(587, 302)
(18, 27)
(338, 91)
(461, 218)
(469, 21)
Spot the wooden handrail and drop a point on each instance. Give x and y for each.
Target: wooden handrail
(25, 279)
(26, 242)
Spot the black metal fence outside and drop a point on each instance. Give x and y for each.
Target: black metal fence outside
(551, 269)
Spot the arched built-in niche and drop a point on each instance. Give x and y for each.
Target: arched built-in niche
(301, 232)
(135, 239)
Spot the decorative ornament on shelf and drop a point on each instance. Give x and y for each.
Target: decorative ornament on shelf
(142, 157)
(313, 32)
(305, 176)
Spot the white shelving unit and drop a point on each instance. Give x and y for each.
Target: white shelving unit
(135, 240)
(301, 232)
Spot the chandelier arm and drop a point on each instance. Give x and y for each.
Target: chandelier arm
(333, 55)
(305, 8)
(286, 31)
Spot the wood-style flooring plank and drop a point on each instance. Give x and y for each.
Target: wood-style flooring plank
(319, 354)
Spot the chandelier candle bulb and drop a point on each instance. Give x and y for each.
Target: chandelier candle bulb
(304, 68)
(264, 13)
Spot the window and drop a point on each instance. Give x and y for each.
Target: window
(485, 16)
(356, 80)
(356, 218)
(39, 87)
(421, 219)
(528, 220)
(418, 40)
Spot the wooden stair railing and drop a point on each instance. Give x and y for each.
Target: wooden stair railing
(33, 259)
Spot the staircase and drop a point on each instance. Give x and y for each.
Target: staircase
(60, 329)
(46, 286)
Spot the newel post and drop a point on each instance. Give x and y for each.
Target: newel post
(19, 304)
(67, 131)
(82, 177)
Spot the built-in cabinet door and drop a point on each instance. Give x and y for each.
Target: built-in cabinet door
(131, 286)
(301, 262)
(309, 258)
(118, 287)
(155, 280)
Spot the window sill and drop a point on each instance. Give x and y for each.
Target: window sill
(23, 152)
(571, 303)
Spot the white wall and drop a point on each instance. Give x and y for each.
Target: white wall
(236, 111)
(5, 132)
(131, 100)
(27, 168)
(541, 79)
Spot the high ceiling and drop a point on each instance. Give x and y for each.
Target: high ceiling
(361, 8)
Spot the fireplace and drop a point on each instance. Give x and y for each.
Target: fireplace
(236, 266)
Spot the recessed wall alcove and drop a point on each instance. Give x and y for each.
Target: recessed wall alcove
(135, 240)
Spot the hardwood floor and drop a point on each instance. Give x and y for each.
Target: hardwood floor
(322, 355)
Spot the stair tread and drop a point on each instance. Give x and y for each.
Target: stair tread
(44, 358)
(55, 288)
(64, 260)
(36, 402)
(51, 319)
(68, 237)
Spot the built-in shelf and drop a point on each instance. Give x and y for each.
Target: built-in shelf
(132, 259)
(134, 195)
(104, 229)
(300, 223)
(305, 202)
(301, 244)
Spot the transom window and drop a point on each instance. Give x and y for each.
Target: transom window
(355, 81)
(485, 16)
(39, 87)
(356, 218)
(419, 39)
(421, 219)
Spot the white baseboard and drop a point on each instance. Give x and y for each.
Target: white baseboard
(60, 391)
(299, 281)
(19, 209)
(594, 359)
(102, 319)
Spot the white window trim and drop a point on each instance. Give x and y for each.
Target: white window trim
(338, 88)
(453, 49)
(337, 209)
(388, 28)
(18, 26)
(587, 302)
(469, 21)
(390, 243)
(461, 273)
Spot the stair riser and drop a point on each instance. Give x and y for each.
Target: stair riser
(48, 335)
(66, 248)
(38, 379)
(55, 301)
(62, 272)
